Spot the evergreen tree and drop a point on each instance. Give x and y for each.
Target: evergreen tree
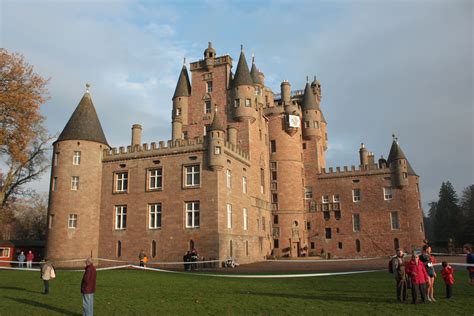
(447, 216)
(430, 220)
(467, 208)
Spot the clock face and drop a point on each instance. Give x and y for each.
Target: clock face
(294, 121)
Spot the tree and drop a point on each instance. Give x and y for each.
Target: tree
(30, 218)
(447, 215)
(467, 208)
(23, 139)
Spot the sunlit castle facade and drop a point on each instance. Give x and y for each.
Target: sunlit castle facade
(243, 176)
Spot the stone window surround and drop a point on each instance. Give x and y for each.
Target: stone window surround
(152, 208)
(149, 177)
(120, 222)
(193, 185)
(72, 221)
(76, 158)
(193, 211)
(116, 181)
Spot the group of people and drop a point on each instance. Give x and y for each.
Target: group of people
(87, 284)
(190, 259)
(143, 258)
(29, 259)
(418, 274)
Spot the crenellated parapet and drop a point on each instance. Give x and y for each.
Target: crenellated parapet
(353, 171)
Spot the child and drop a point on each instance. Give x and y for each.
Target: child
(448, 277)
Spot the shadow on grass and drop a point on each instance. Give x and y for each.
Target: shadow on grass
(336, 298)
(42, 305)
(16, 288)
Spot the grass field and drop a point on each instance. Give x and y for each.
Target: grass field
(135, 292)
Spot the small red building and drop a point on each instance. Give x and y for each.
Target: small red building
(10, 249)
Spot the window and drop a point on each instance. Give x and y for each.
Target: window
(4, 252)
(387, 193)
(356, 222)
(394, 220)
(273, 165)
(74, 183)
(72, 221)
(119, 248)
(121, 217)
(335, 198)
(229, 216)
(209, 86)
(192, 175)
(337, 215)
(308, 225)
(217, 150)
(185, 135)
(313, 245)
(236, 103)
(275, 219)
(274, 175)
(248, 102)
(231, 249)
(316, 124)
(228, 175)
(55, 159)
(246, 219)
(396, 243)
(246, 247)
(273, 146)
(274, 198)
(304, 145)
(155, 179)
(421, 228)
(244, 184)
(356, 195)
(325, 199)
(308, 193)
(306, 124)
(328, 233)
(54, 185)
(192, 214)
(153, 249)
(262, 180)
(76, 158)
(327, 215)
(419, 204)
(339, 245)
(417, 187)
(50, 221)
(121, 182)
(357, 245)
(154, 216)
(276, 243)
(207, 106)
(178, 112)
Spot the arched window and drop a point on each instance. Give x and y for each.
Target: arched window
(357, 245)
(191, 244)
(396, 243)
(153, 249)
(119, 249)
(230, 249)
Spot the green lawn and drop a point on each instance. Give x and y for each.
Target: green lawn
(134, 292)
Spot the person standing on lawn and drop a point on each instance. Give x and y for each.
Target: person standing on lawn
(398, 268)
(428, 260)
(419, 277)
(29, 259)
(141, 256)
(88, 289)
(447, 274)
(46, 269)
(469, 260)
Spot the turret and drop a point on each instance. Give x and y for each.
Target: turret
(75, 192)
(311, 115)
(209, 56)
(364, 155)
(399, 165)
(180, 104)
(216, 142)
(232, 134)
(285, 92)
(243, 92)
(136, 134)
(257, 77)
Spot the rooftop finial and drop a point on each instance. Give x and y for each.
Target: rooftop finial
(87, 87)
(253, 58)
(314, 77)
(393, 136)
(241, 47)
(307, 79)
(209, 44)
(184, 61)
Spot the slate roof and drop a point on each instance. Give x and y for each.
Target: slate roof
(254, 74)
(217, 123)
(183, 87)
(242, 74)
(84, 123)
(396, 153)
(309, 101)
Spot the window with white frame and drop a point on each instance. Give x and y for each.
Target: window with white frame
(236, 103)
(121, 182)
(273, 165)
(76, 158)
(336, 198)
(228, 176)
(356, 222)
(273, 175)
(246, 219)
(262, 180)
(207, 106)
(192, 214)
(316, 124)
(325, 199)
(387, 193)
(74, 183)
(308, 193)
(192, 175)
(217, 150)
(356, 195)
(154, 216)
(121, 217)
(4, 252)
(306, 124)
(394, 220)
(248, 102)
(155, 179)
(229, 215)
(178, 111)
(244, 184)
(209, 86)
(72, 221)
(54, 185)
(50, 221)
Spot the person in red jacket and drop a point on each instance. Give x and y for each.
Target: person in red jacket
(447, 274)
(418, 275)
(88, 289)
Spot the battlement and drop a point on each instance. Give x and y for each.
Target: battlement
(153, 149)
(225, 59)
(360, 170)
(237, 151)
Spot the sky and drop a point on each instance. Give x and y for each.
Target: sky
(403, 67)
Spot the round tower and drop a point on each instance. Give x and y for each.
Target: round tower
(257, 78)
(216, 142)
(243, 92)
(364, 155)
(180, 104)
(75, 193)
(398, 164)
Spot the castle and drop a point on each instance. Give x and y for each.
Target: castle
(244, 176)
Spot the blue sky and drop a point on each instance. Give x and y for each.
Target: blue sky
(403, 67)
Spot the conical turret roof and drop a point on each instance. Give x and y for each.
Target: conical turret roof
(183, 87)
(84, 123)
(397, 153)
(254, 73)
(309, 101)
(242, 74)
(217, 123)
